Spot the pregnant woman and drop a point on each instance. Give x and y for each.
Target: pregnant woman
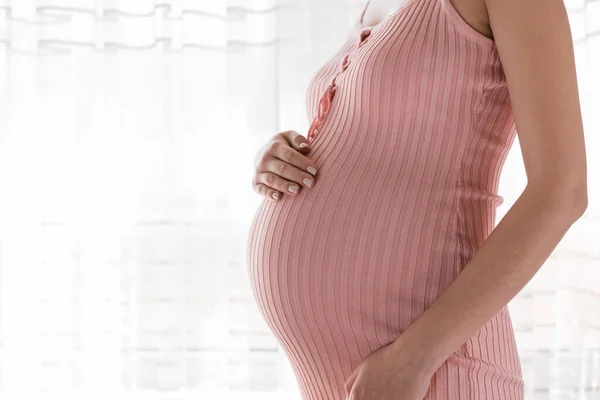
(374, 256)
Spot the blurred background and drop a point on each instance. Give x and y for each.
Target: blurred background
(127, 134)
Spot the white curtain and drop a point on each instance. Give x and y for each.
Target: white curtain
(127, 134)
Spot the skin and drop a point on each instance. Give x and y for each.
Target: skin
(281, 167)
(534, 42)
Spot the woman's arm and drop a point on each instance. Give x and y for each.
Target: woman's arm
(534, 42)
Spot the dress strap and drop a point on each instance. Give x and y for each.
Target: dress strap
(362, 14)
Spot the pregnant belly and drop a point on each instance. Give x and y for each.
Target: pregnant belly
(354, 253)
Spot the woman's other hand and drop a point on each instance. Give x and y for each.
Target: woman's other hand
(392, 372)
(281, 167)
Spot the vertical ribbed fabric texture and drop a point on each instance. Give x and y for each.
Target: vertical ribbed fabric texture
(409, 148)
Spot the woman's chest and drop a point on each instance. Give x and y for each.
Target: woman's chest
(393, 63)
(373, 62)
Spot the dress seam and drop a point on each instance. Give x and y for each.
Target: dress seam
(458, 221)
(459, 184)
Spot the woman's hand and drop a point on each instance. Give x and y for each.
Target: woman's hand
(281, 167)
(389, 373)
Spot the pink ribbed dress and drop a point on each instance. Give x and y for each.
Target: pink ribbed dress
(411, 123)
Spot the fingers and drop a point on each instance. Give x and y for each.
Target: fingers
(283, 177)
(287, 154)
(281, 168)
(286, 171)
(266, 191)
(296, 140)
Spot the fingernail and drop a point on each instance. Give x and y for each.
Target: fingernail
(303, 144)
(293, 188)
(307, 182)
(276, 195)
(312, 170)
